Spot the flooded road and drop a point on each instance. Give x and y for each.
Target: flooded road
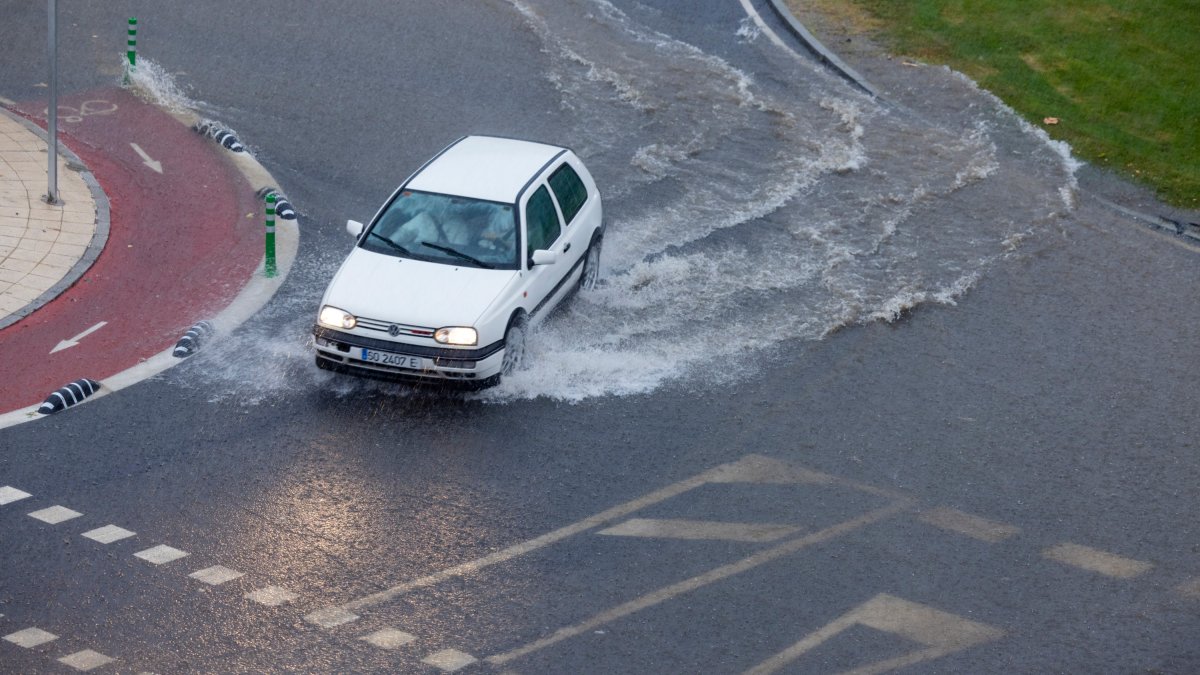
(746, 213)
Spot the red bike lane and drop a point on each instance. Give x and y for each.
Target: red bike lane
(181, 245)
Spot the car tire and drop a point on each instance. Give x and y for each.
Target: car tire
(591, 265)
(514, 347)
(324, 363)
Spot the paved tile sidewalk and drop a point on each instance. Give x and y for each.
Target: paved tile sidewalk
(40, 244)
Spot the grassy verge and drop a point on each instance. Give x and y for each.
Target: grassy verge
(1122, 77)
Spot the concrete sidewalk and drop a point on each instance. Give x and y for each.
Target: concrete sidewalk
(43, 248)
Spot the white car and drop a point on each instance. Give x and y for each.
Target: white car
(481, 242)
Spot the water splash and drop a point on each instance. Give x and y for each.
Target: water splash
(742, 216)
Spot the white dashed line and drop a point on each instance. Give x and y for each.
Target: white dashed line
(330, 617)
(30, 637)
(55, 515)
(1093, 560)
(272, 596)
(108, 534)
(86, 660)
(216, 575)
(1190, 588)
(972, 526)
(389, 638)
(160, 555)
(9, 494)
(449, 660)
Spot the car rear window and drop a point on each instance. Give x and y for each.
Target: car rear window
(570, 191)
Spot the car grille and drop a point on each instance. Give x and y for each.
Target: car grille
(343, 342)
(403, 329)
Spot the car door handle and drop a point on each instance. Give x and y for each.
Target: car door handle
(567, 247)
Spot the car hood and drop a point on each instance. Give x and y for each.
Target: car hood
(414, 292)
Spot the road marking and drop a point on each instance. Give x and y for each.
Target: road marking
(972, 526)
(697, 529)
(55, 515)
(712, 576)
(30, 637)
(160, 555)
(85, 109)
(1094, 560)
(108, 534)
(272, 596)
(330, 617)
(67, 344)
(449, 660)
(749, 469)
(86, 660)
(762, 26)
(1190, 588)
(216, 575)
(941, 633)
(527, 546)
(9, 494)
(153, 164)
(389, 638)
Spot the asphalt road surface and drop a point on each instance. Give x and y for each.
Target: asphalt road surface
(871, 385)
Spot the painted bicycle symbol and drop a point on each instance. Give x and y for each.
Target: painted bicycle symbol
(75, 115)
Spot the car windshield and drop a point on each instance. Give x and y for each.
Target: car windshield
(446, 229)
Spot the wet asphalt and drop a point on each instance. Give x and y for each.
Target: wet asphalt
(1057, 398)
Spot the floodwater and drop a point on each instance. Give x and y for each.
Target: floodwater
(743, 216)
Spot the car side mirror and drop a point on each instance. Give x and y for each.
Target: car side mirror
(355, 228)
(543, 257)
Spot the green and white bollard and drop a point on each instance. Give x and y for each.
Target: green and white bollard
(131, 50)
(269, 264)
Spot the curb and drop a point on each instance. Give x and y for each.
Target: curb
(1185, 231)
(821, 51)
(99, 238)
(257, 292)
(1178, 228)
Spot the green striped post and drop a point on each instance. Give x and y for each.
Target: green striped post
(131, 49)
(269, 265)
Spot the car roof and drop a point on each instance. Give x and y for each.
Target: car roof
(485, 167)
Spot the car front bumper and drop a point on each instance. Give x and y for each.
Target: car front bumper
(347, 351)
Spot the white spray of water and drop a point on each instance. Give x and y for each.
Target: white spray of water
(154, 84)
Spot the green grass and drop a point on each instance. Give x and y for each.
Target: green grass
(1122, 76)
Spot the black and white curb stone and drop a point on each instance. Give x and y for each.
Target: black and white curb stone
(192, 340)
(283, 206)
(70, 395)
(219, 133)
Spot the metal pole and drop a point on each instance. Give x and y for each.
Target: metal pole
(52, 111)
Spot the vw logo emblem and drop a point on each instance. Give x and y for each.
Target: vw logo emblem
(393, 330)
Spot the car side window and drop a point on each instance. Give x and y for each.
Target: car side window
(542, 227)
(569, 189)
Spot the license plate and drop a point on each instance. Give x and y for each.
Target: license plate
(394, 360)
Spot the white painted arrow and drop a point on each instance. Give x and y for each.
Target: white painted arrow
(67, 344)
(153, 164)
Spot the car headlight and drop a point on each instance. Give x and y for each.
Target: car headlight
(336, 318)
(456, 335)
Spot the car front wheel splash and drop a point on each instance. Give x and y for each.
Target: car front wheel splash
(514, 348)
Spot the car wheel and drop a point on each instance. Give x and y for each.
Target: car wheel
(591, 265)
(324, 363)
(514, 348)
